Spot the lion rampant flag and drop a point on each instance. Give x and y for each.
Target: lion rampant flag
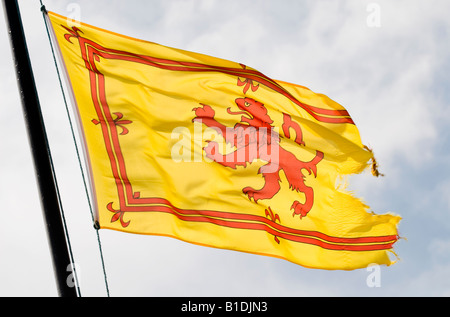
(215, 153)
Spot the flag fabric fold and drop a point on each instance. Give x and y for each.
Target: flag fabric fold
(215, 153)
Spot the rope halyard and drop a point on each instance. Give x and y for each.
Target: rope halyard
(44, 12)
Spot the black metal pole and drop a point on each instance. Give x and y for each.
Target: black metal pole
(39, 148)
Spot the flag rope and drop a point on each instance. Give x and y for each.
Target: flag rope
(44, 12)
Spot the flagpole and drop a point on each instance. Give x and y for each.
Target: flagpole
(40, 151)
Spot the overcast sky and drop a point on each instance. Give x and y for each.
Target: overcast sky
(387, 62)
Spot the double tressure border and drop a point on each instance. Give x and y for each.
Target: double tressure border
(130, 201)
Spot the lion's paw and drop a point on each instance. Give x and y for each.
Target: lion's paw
(204, 112)
(299, 209)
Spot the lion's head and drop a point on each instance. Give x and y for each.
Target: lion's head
(254, 113)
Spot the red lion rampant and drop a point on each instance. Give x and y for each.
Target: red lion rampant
(254, 138)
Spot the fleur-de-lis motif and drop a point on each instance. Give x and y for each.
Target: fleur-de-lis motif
(274, 217)
(118, 215)
(247, 82)
(118, 122)
(72, 33)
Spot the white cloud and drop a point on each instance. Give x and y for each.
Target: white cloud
(434, 277)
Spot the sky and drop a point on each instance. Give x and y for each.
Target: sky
(387, 62)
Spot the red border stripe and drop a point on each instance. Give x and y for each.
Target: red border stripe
(226, 219)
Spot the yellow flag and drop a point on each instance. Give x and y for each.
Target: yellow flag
(215, 153)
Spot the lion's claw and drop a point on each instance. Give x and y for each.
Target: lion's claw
(298, 209)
